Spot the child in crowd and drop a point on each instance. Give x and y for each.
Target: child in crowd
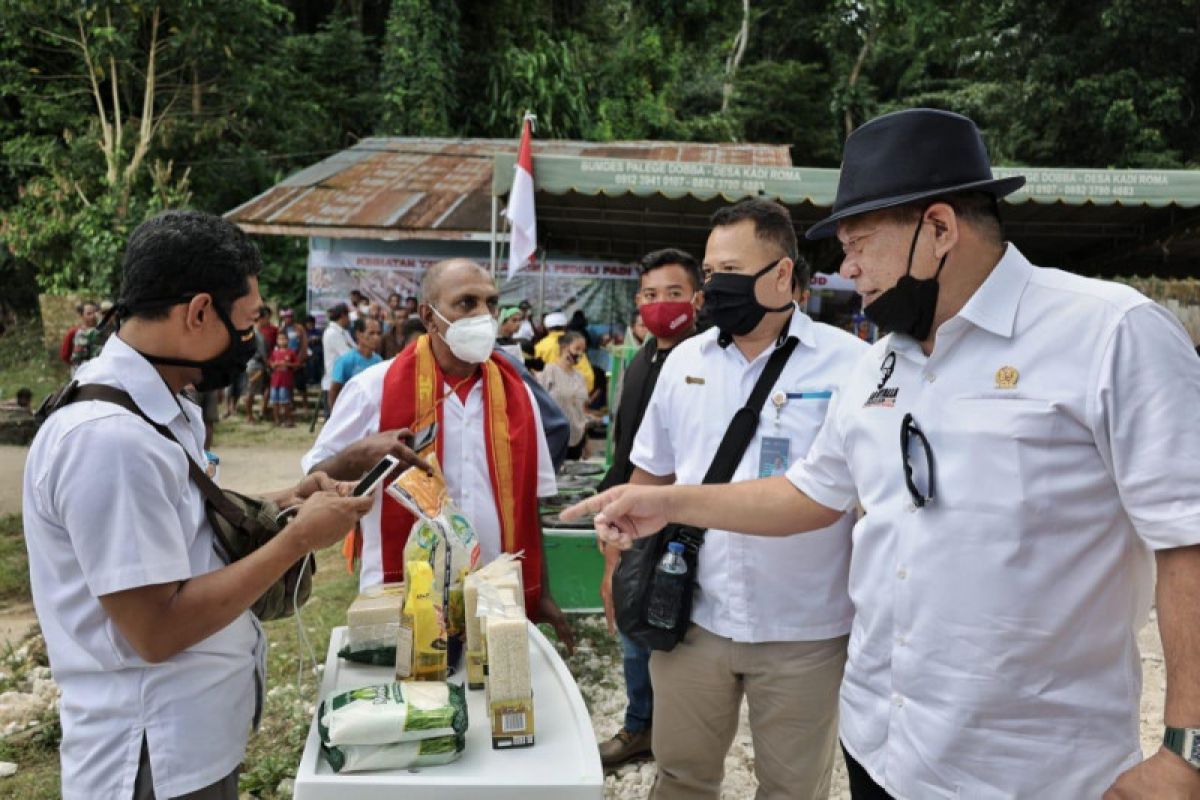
(283, 361)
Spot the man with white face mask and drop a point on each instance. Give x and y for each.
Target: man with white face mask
(490, 441)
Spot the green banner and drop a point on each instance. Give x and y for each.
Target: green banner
(794, 185)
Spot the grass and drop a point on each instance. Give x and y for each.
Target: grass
(14, 569)
(274, 751)
(24, 362)
(236, 432)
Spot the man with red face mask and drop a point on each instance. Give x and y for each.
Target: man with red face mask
(668, 299)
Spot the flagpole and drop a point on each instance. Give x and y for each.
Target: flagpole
(493, 241)
(542, 290)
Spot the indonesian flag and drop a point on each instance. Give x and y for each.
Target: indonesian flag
(520, 214)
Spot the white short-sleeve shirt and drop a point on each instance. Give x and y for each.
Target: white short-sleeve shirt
(755, 589)
(108, 506)
(465, 465)
(993, 653)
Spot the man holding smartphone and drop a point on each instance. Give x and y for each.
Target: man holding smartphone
(147, 629)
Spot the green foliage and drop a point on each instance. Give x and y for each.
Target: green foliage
(420, 57)
(14, 571)
(243, 95)
(25, 363)
(545, 77)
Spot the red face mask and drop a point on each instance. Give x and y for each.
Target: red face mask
(668, 319)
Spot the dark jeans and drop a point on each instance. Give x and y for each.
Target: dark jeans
(143, 784)
(639, 706)
(862, 785)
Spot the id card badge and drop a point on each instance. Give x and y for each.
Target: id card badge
(774, 456)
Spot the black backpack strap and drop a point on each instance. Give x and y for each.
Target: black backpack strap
(75, 393)
(742, 427)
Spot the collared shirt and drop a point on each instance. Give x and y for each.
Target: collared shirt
(335, 341)
(755, 589)
(109, 506)
(465, 463)
(994, 650)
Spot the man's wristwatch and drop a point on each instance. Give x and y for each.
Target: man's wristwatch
(1184, 742)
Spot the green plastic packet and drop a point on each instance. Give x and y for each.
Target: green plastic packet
(400, 755)
(388, 713)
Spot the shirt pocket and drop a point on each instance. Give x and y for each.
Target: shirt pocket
(986, 450)
(800, 417)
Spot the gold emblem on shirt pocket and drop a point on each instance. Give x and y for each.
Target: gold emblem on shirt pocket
(1007, 377)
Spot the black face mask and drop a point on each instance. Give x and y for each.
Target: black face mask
(909, 306)
(731, 303)
(220, 370)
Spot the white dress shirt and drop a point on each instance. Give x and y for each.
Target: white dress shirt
(335, 342)
(109, 506)
(465, 462)
(754, 589)
(994, 651)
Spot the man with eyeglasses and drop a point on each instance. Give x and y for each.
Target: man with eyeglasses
(1021, 446)
(770, 618)
(490, 442)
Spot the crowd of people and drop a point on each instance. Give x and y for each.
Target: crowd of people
(933, 553)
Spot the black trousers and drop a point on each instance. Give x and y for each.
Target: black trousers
(143, 786)
(862, 785)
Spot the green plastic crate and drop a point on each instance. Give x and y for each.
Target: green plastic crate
(575, 567)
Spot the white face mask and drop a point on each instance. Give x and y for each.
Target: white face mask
(470, 338)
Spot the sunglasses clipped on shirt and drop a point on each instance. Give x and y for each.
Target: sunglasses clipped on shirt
(909, 429)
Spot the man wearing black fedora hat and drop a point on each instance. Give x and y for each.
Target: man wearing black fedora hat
(1023, 444)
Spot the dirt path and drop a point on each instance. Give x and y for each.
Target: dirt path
(264, 466)
(250, 469)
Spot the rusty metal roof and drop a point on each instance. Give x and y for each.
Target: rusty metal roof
(396, 188)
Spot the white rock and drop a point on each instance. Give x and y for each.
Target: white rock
(7, 768)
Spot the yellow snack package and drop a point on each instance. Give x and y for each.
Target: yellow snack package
(423, 617)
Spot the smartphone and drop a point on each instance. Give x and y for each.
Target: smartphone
(424, 437)
(375, 476)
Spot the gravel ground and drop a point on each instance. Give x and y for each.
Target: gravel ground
(597, 667)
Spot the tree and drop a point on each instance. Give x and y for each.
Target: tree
(420, 59)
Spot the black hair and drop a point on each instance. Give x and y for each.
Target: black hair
(24, 392)
(979, 209)
(337, 311)
(177, 255)
(670, 256)
(410, 326)
(773, 224)
(568, 337)
(309, 319)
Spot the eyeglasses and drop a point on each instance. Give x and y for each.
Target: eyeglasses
(908, 429)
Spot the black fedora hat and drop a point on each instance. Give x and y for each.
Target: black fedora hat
(910, 155)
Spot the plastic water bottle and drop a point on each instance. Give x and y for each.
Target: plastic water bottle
(666, 596)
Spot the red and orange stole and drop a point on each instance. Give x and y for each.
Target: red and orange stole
(413, 390)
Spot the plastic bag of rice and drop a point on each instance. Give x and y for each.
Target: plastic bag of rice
(393, 712)
(400, 755)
